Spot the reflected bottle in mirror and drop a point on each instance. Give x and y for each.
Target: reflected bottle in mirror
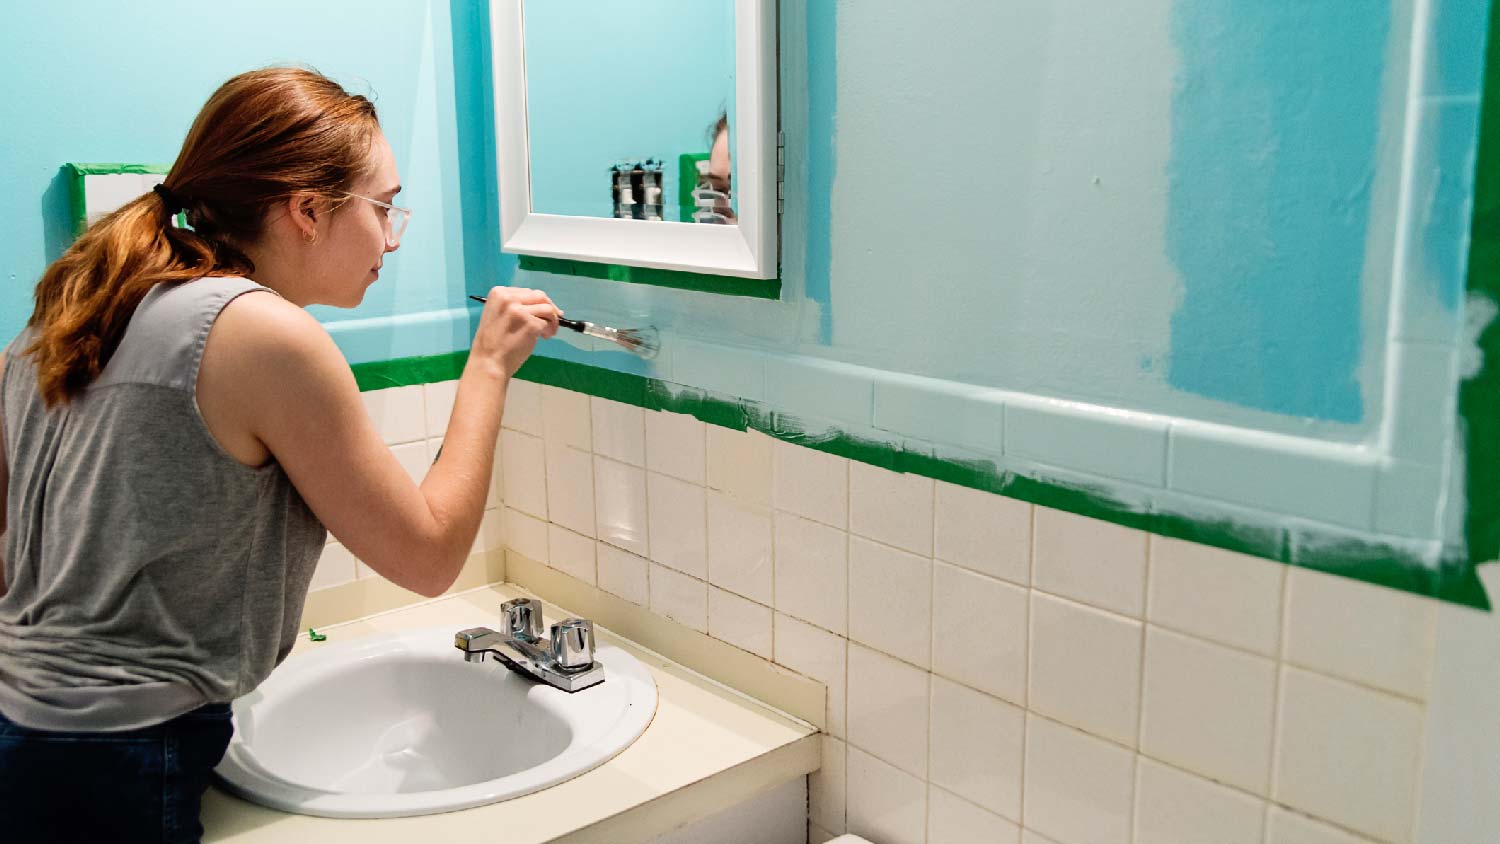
(636, 189)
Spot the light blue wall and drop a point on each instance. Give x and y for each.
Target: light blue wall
(641, 80)
(1200, 211)
(122, 82)
(1190, 211)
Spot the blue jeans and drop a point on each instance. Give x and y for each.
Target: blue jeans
(132, 787)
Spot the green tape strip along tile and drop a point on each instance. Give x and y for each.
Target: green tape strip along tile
(1388, 564)
(724, 285)
(1479, 397)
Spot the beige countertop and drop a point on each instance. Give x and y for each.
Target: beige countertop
(708, 748)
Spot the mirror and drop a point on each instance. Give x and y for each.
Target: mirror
(638, 132)
(649, 87)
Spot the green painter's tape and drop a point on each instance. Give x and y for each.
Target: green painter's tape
(724, 285)
(76, 173)
(1392, 565)
(1479, 397)
(687, 181)
(408, 371)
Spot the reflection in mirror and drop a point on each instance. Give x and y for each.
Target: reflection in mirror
(629, 109)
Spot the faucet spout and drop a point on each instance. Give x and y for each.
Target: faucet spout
(565, 660)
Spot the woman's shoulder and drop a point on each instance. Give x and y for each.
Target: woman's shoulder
(270, 331)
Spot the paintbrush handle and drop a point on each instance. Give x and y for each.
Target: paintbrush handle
(576, 324)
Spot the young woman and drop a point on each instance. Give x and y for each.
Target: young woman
(178, 432)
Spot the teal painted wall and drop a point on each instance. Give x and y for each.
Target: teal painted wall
(122, 82)
(1191, 211)
(1201, 211)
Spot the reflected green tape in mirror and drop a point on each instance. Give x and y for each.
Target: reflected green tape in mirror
(724, 285)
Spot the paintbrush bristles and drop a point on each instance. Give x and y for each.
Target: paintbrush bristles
(642, 341)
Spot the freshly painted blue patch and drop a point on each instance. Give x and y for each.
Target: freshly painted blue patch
(621, 361)
(1275, 121)
(822, 124)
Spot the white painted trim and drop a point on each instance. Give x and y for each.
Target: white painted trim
(747, 250)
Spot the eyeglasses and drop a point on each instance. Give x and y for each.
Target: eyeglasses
(396, 219)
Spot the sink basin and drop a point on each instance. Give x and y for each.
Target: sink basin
(398, 724)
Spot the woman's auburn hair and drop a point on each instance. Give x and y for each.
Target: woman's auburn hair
(263, 136)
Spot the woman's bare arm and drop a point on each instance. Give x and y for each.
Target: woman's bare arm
(292, 389)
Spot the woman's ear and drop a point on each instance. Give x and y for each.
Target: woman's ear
(305, 210)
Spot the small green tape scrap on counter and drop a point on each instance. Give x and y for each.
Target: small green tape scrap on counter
(315, 635)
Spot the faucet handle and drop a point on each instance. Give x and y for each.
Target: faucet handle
(523, 618)
(573, 644)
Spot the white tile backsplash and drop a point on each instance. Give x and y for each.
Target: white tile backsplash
(811, 484)
(524, 467)
(566, 418)
(624, 574)
(1287, 827)
(827, 786)
(934, 614)
(678, 524)
(398, 413)
(888, 709)
(885, 804)
(979, 632)
(739, 463)
(890, 600)
(812, 569)
(1175, 807)
(679, 597)
(1361, 632)
(1209, 709)
(1091, 561)
(984, 532)
(891, 507)
(570, 487)
(619, 431)
(742, 623)
(953, 820)
(739, 547)
(1085, 668)
(437, 399)
(620, 505)
(525, 534)
(675, 445)
(977, 745)
(1348, 754)
(816, 653)
(1078, 788)
(1220, 595)
(523, 407)
(571, 553)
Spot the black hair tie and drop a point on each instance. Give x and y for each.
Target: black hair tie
(169, 199)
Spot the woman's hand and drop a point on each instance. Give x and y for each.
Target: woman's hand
(514, 318)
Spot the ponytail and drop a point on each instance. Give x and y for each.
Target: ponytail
(261, 137)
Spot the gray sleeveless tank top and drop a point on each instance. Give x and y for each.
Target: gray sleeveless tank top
(148, 571)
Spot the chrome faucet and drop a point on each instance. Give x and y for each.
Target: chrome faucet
(565, 659)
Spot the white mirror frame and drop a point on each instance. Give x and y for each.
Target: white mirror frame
(747, 250)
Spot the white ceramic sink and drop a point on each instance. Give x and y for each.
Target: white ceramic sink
(399, 724)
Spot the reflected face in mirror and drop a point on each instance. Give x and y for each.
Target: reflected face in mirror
(719, 170)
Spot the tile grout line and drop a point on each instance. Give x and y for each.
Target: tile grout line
(1283, 622)
(1140, 700)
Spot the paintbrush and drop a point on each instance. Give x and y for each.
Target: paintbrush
(643, 341)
